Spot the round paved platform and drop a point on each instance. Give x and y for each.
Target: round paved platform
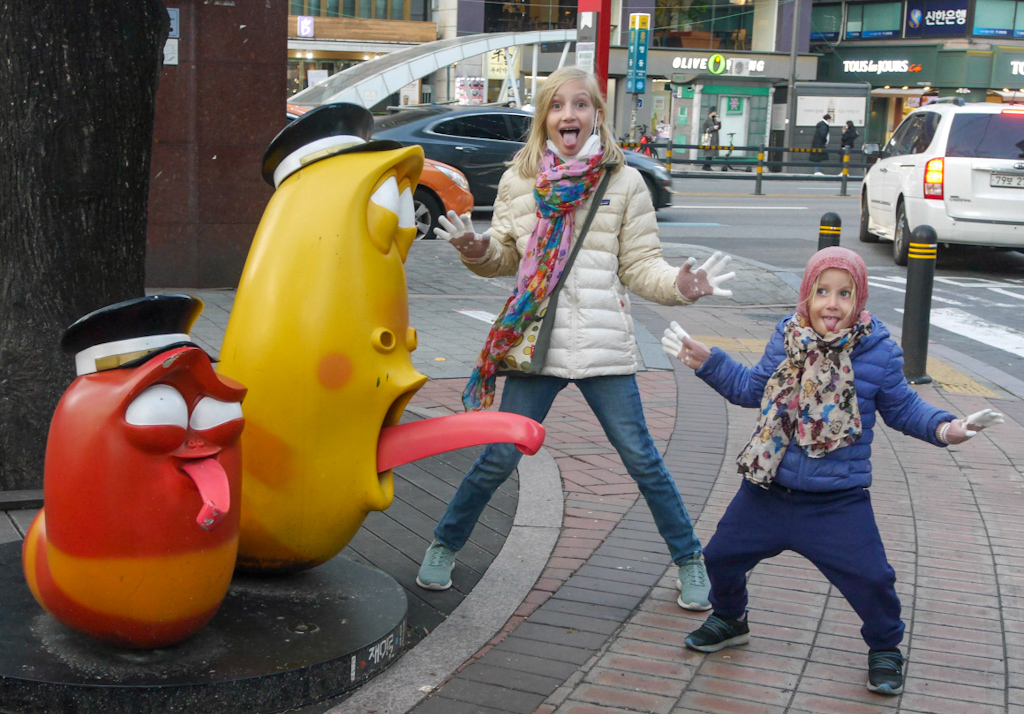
(277, 643)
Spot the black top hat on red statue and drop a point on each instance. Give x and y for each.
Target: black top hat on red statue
(129, 332)
(328, 130)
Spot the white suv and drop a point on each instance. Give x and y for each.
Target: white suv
(956, 167)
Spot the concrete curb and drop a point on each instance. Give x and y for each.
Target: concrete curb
(487, 608)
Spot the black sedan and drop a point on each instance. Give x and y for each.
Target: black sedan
(479, 141)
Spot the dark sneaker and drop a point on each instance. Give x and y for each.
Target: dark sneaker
(436, 570)
(885, 672)
(717, 633)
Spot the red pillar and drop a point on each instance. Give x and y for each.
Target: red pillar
(604, 34)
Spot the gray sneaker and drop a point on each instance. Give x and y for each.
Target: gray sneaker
(436, 571)
(693, 585)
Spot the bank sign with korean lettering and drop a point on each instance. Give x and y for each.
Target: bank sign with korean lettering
(935, 18)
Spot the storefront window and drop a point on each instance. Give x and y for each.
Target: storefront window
(332, 8)
(874, 20)
(520, 15)
(313, 7)
(349, 8)
(297, 7)
(382, 9)
(365, 8)
(397, 9)
(826, 22)
(703, 24)
(999, 18)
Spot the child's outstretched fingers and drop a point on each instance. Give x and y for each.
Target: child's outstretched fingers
(672, 340)
(695, 353)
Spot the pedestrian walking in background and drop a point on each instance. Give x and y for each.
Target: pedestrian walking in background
(542, 203)
(820, 141)
(709, 136)
(806, 471)
(849, 136)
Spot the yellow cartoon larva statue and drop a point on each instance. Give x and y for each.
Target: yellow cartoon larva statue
(320, 335)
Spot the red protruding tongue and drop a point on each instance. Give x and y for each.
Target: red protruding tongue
(212, 482)
(405, 443)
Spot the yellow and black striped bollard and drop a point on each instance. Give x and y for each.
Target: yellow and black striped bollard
(829, 230)
(917, 306)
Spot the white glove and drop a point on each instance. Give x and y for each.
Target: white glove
(960, 430)
(706, 280)
(678, 343)
(458, 230)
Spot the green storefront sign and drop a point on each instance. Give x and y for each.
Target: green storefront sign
(880, 66)
(1008, 68)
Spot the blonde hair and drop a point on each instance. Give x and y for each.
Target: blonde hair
(814, 291)
(528, 158)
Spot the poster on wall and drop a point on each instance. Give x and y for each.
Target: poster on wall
(810, 110)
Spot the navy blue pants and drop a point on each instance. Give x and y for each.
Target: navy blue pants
(834, 530)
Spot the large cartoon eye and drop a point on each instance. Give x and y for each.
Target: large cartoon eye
(159, 405)
(210, 412)
(382, 214)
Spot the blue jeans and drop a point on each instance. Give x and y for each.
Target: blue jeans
(616, 403)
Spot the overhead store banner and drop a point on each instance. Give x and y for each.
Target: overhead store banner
(936, 18)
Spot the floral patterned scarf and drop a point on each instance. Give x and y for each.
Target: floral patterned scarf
(561, 188)
(810, 396)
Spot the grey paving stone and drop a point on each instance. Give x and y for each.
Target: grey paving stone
(607, 586)
(597, 597)
(491, 695)
(604, 612)
(512, 679)
(543, 650)
(619, 575)
(560, 635)
(533, 665)
(440, 704)
(575, 622)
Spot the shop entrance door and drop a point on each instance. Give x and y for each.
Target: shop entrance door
(733, 112)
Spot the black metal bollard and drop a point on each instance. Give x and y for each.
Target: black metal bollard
(846, 171)
(828, 233)
(760, 170)
(917, 307)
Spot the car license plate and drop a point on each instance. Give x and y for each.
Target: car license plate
(1010, 180)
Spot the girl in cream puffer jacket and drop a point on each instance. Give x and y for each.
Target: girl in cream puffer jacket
(593, 330)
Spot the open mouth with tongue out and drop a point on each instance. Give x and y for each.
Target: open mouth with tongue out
(210, 479)
(404, 443)
(570, 137)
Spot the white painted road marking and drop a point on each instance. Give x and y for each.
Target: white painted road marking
(479, 315)
(970, 326)
(935, 297)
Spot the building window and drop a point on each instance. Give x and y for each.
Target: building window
(521, 15)
(826, 23)
(314, 7)
(870, 21)
(349, 8)
(365, 8)
(332, 8)
(297, 7)
(999, 18)
(703, 24)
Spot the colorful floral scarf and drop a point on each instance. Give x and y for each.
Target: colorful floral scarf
(811, 394)
(561, 188)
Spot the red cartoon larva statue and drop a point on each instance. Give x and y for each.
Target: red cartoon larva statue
(138, 537)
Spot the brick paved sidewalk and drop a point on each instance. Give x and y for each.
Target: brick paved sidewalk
(601, 631)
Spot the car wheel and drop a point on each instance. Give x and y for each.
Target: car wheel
(901, 238)
(866, 236)
(428, 210)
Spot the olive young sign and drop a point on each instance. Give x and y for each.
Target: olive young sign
(715, 64)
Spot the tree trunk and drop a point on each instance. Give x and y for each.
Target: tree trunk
(78, 80)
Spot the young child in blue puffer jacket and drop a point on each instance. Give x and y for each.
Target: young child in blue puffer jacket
(826, 371)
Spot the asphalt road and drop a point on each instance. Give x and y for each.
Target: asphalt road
(979, 293)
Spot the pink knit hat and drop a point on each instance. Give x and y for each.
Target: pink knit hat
(834, 257)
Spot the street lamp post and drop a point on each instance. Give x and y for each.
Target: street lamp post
(791, 86)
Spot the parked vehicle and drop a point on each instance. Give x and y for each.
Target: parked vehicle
(441, 188)
(956, 167)
(479, 141)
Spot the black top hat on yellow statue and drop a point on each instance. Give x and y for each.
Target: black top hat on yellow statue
(129, 332)
(325, 131)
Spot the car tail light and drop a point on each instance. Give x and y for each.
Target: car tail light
(933, 179)
(1019, 112)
